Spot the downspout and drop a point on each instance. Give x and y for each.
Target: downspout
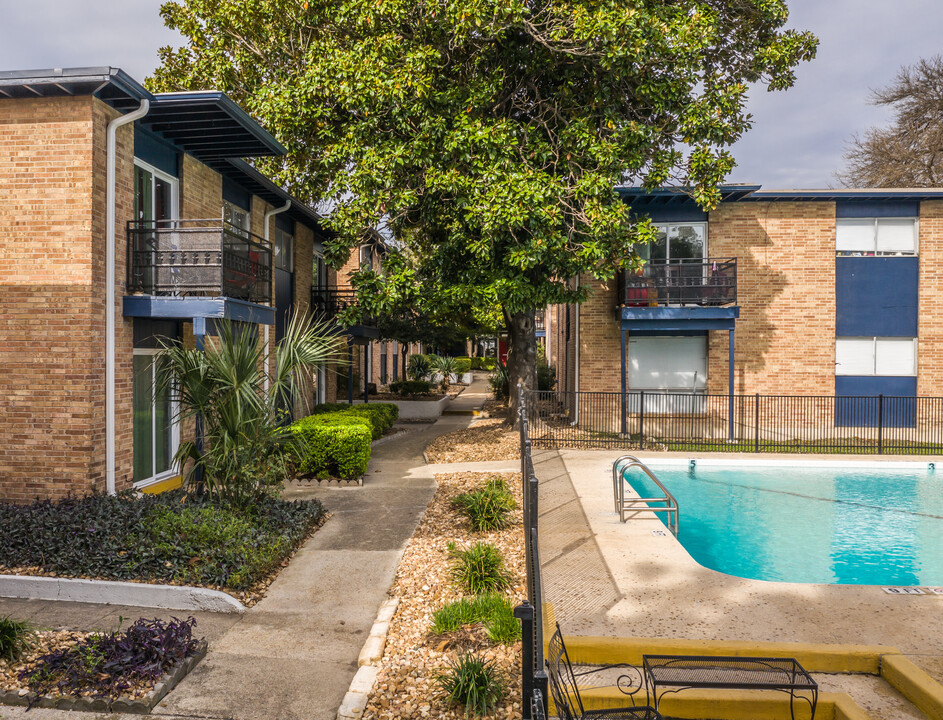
(268, 216)
(111, 144)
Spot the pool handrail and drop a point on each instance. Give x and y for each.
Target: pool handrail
(625, 505)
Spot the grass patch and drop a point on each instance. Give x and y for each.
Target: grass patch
(492, 610)
(479, 569)
(488, 508)
(170, 537)
(473, 683)
(16, 638)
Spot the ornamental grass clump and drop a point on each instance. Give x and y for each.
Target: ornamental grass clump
(493, 611)
(16, 638)
(473, 683)
(488, 508)
(108, 665)
(479, 569)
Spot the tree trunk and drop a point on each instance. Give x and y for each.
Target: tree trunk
(522, 358)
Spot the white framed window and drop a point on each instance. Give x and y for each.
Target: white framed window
(677, 241)
(156, 433)
(366, 257)
(883, 356)
(236, 218)
(876, 236)
(284, 250)
(155, 193)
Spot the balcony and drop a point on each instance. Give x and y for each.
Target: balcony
(198, 258)
(710, 282)
(328, 302)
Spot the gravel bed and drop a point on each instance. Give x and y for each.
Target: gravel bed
(45, 641)
(406, 687)
(487, 439)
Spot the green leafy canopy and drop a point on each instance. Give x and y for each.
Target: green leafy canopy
(488, 135)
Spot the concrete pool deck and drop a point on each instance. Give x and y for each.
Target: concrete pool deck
(635, 580)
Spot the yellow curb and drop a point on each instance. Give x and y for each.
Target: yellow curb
(814, 657)
(914, 684)
(733, 704)
(171, 483)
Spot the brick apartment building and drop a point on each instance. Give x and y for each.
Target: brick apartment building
(196, 234)
(795, 292)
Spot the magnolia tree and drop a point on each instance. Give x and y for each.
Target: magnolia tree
(488, 136)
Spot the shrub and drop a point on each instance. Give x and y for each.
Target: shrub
(462, 365)
(500, 382)
(493, 611)
(479, 363)
(419, 367)
(471, 682)
(107, 665)
(479, 569)
(16, 637)
(546, 376)
(411, 387)
(382, 416)
(334, 444)
(446, 367)
(166, 537)
(488, 508)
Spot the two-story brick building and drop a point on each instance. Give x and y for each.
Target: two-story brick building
(776, 293)
(127, 215)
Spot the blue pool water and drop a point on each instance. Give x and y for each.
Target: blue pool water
(809, 525)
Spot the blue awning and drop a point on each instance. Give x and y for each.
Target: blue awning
(674, 319)
(192, 308)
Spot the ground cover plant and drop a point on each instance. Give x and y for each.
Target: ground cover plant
(479, 568)
(172, 537)
(489, 507)
(493, 611)
(411, 387)
(409, 683)
(472, 682)
(109, 665)
(16, 637)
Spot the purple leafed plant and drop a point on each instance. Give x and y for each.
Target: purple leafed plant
(106, 665)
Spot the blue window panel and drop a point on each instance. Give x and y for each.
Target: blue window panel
(285, 223)
(871, 208)
(876, 296)
(156, 152)
(236, 194)
(856, 402)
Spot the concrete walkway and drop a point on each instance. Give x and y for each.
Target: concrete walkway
(293, 655)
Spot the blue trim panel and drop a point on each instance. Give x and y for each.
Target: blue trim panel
(673, 320)
(156, 151)
(870, 208)
(899, 405)
(876, 296)
(672, 213)
(189, 308)
(236, 194)
(656, 333)
(284, 223)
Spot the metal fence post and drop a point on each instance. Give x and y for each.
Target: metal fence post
(756, 423)
(880, 423)
(525, 613)
(641, 420)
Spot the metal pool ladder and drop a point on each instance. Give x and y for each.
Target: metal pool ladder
(625, 505)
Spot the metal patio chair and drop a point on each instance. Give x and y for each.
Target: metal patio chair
(566, 694)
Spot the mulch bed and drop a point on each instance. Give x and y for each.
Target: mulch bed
(486, 439)
(405, 687)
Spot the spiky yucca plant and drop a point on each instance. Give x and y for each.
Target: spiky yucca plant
(247, 446)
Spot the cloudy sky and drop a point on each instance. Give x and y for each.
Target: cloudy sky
(798, 135)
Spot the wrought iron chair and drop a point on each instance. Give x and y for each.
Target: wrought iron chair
(566, 693)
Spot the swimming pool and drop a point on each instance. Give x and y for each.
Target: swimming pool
(856, 524)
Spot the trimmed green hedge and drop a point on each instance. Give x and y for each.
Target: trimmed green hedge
(411, 387)
(381, 416)
(334, 444)
(478, 363)
(462, 365)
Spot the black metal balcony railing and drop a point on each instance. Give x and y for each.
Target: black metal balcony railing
(694, 281)
(328, 302)
(198, 258)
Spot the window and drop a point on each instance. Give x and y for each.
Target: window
(155, 194)
(236, 218)
(284, 250)
(677, 242)
(319, 273)
(876, 236)
(155, 432)
(892, 357)
(366, 257)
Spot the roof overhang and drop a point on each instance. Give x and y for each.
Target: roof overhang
(113, 85)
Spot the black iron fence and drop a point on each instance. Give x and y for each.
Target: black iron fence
(198, 257)
(530, 612)
(653, 420)
(682, 281)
